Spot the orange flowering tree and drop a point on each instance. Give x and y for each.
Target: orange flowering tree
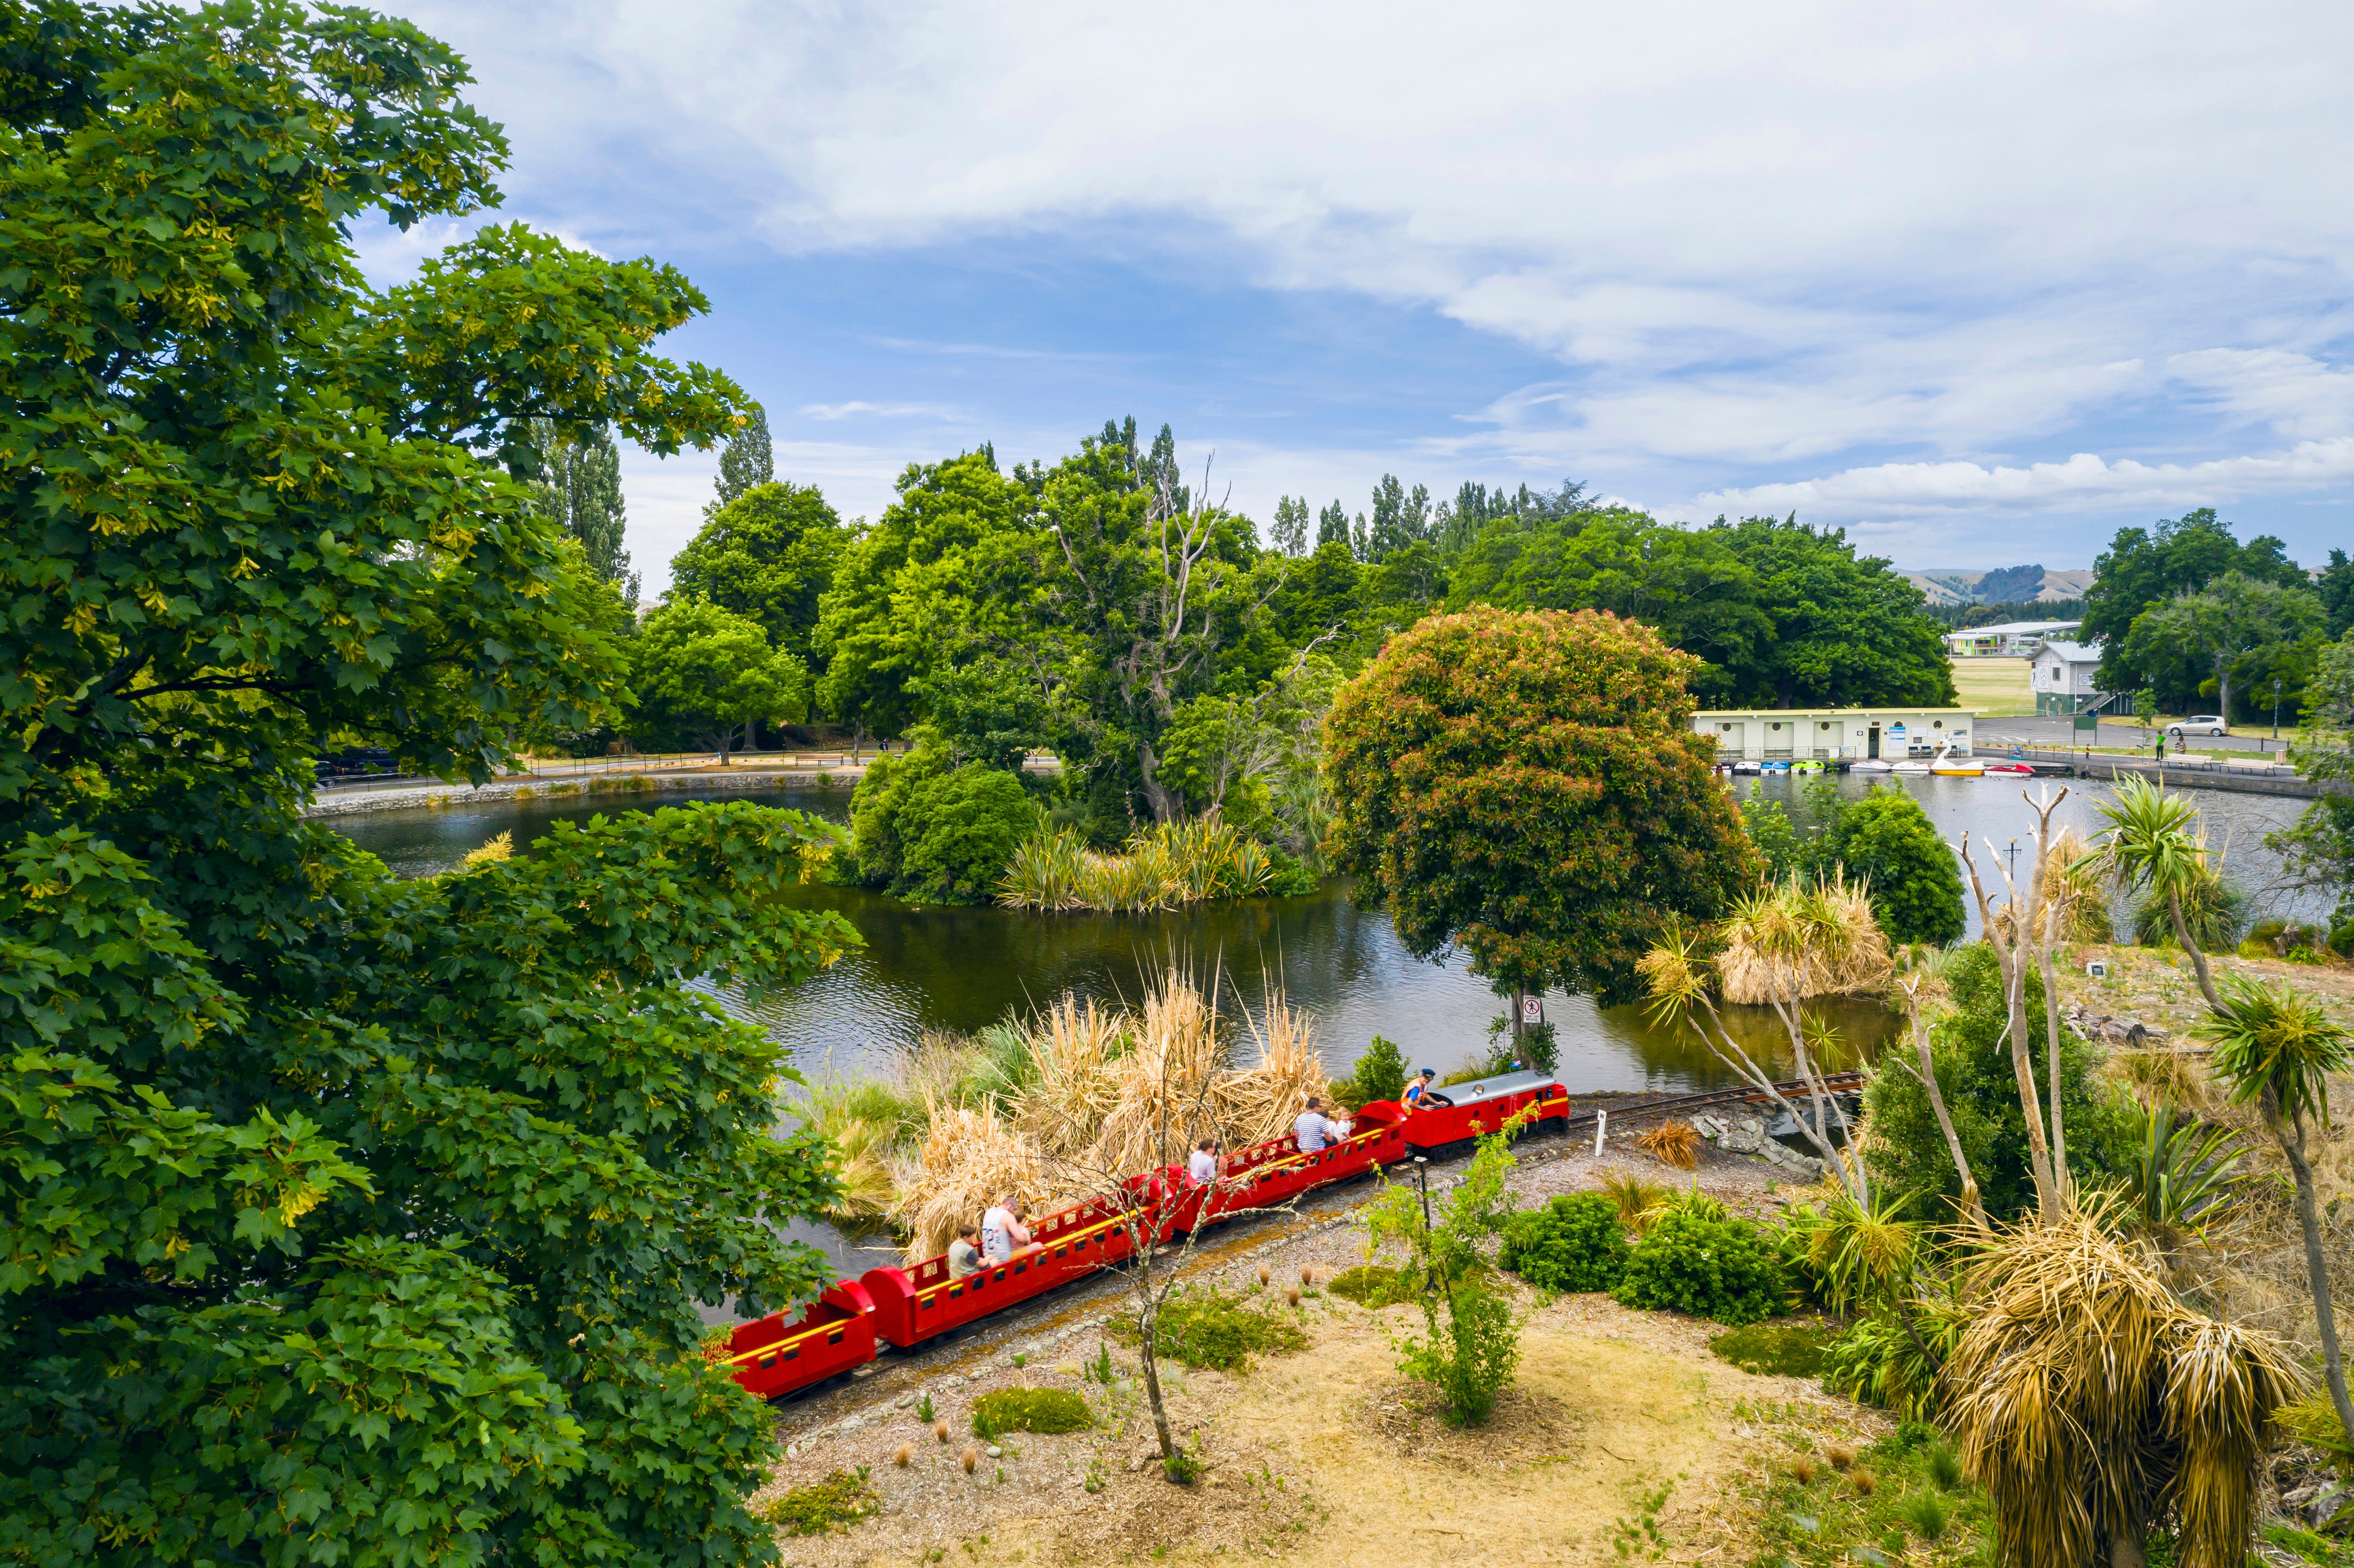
(1524, 788)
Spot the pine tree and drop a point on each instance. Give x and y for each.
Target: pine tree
(1289, 533)
(748, 459)
(1159, 472)
(579, 488)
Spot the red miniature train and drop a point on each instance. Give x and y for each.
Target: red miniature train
(902, 1308)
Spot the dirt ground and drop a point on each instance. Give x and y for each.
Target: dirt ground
(1327, 1456)
(2157, 986)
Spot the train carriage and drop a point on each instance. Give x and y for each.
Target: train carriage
(832, 1335)
(1457, 1113)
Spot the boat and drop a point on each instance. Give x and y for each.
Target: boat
(1945, 765)
(1806, 767)
(1774, 767)
(2010, 769)
(1747, 767)
(1871, 765)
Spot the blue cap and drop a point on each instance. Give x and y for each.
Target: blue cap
(1425, 1072)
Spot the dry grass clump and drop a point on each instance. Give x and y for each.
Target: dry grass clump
(2075, 884)
(1675, 1143)
(1261, 1101)
(2087, 1397)
(493, 849)
(1636, 1201)
(1075, 1081)
(970, 1161)
(1753, 968)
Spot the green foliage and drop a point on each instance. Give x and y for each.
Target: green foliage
(1891, 1355)
(2215, 911)
(2143, 569)
(1522, 788)
(2181, 1174)
(348, 1215)
(1944, 1466)
(1471, 1358)
(1207, 1327)
(1826, 1523)
(699, 670)
(1783, 615)
(579, 490)
(837, 1502)
(1709, 1266)
(1911, 875)
(1971, 1048)
(768, 555)
(1380, 1072)
(1471, 1343)
(2235, 629)
(748, 461)
(1778, 1348)
(1047, 1409)
(2277, 1046)
(1371, 1286)
(1574, 1243)
(938, 835)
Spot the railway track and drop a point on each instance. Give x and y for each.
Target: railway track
(1796, 1089)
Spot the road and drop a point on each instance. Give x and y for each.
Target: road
(2057, 731)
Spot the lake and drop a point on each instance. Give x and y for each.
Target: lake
(954, 968)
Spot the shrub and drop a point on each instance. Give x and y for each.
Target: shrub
(1475, 1356)
(1709, 1267)
(1574, 1243)
(838, 1501)
(1675, 1143)
(965, 826)
(1909, 870)
(1290, 878)
(1371, 1286)
(1380, 1072)
(1207, 1327)
(1048, 1410)
(2215, 911)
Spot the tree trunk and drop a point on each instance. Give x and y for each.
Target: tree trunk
(1166, 805)
(2197, 959)
(2316, 1267)
(751, 735)
(2060, 1178)
(1971, 1202)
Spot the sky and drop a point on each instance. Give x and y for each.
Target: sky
(1979, 285)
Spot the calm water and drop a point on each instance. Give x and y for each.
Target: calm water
(924, 968)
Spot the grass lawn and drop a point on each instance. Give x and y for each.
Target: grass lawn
(1994, 688)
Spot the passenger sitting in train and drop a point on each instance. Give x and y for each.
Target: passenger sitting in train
(1002, 1234)
(1421, 1082)
(1202, 1165)
(1312, 1129)
(964, 1258)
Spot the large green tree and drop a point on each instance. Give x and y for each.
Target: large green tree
(2144, 567)
(710, 675)
(343, 1219)
(769, 553)
(1784, 614)
(1525, 787)
(2215, 633)
(747, 462)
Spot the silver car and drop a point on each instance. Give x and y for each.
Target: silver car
(2198, 724)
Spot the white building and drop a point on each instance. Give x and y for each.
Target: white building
(1830, 735)
(2062, 677)
(2017, 639)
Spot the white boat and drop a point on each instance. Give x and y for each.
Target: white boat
(1945, 765)
(1871, 765)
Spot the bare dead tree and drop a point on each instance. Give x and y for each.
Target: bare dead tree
(1917, 991)
(2021, 936)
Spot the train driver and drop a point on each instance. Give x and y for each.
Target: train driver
(1415, 1091)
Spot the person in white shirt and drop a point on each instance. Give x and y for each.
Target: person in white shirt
(1202, 1165)
(1313, 1132)
(1002, 1234)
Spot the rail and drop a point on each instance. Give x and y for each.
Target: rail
(1676, 1104)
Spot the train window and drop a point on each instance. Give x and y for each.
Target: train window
(1061, 1251)
(767, 1361)
(999, 1276)
(930, 1302)
(792, 1355)
(955, 1291)
(1021, 1268)
(834, 1338)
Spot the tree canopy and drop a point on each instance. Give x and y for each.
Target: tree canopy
(1522, 786)
(2169, 571)
(351, 1219)
(768, 555)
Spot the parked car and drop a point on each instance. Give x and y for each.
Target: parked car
(2198, 724)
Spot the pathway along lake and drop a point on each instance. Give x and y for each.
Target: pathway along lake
(952, 968)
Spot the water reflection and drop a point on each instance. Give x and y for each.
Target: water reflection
(926, 969)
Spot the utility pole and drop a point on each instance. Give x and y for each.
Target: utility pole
(2276, 686)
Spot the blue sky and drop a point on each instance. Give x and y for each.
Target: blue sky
(1977, 286)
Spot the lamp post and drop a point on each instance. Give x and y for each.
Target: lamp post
(2276, 686)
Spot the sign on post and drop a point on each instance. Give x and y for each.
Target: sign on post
(1532, 1011)
(2088, 724)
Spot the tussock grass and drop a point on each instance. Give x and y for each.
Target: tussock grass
(1163, 867)
(1765, 929)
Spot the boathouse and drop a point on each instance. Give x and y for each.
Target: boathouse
(1833, 734)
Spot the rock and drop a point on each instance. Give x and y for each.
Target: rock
(853, 1423)
(904, 1401)
(995, 1452)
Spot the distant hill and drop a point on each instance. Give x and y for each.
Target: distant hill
(2004, 585)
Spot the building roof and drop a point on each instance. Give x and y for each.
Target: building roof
(2015, 629)
(2075, 653)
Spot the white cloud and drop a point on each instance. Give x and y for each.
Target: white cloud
(2085, 481)
(939, 411)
